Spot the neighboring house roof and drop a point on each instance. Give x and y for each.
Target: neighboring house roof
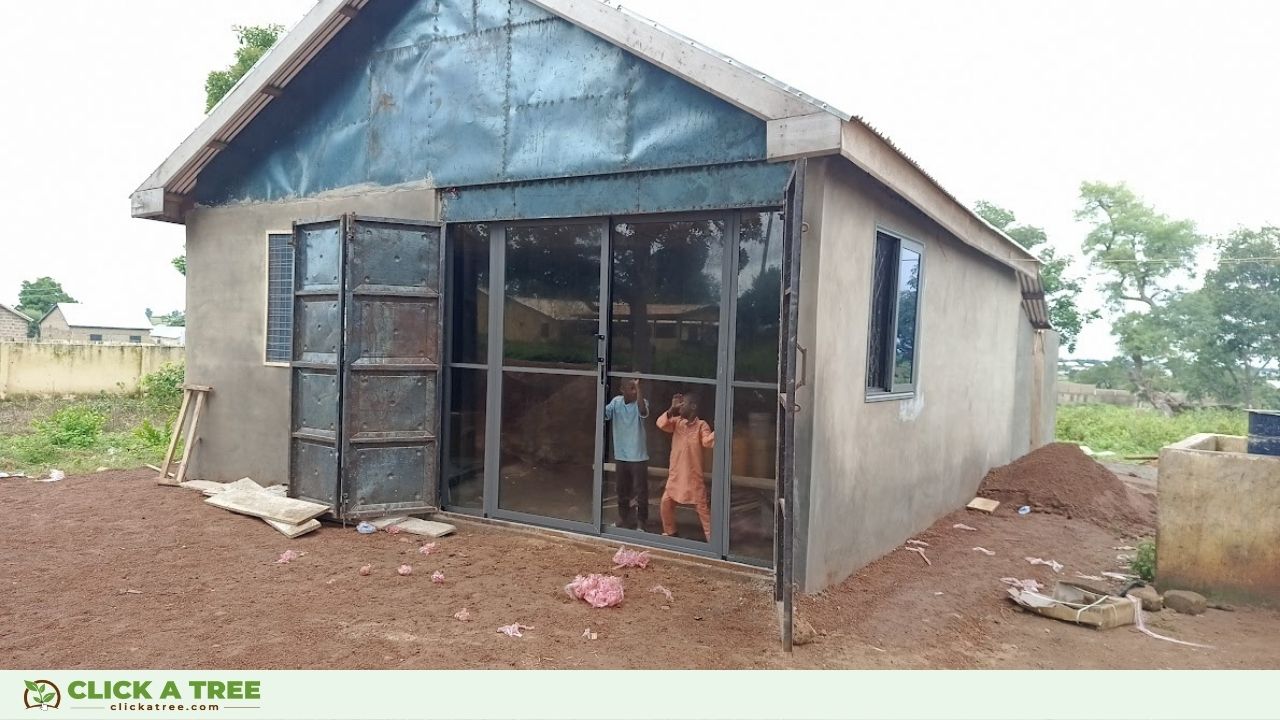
(798, 125)
(101, 316)
(14, 311)
(168, 332)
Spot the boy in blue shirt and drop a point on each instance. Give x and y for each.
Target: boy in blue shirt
(625, 414)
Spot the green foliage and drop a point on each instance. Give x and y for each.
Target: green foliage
(76, 426)
(38, 297)
(151, 436)
(163, 388)
(177, 318)
(255, 41)
(180, 263)
(1130, 431)
(1062, 291)
(1144, 562)
(40, 692)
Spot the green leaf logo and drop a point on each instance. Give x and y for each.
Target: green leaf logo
(32, 686)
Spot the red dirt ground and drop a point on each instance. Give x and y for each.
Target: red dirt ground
(209, 595)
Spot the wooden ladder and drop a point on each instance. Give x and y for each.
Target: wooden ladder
(200, 392)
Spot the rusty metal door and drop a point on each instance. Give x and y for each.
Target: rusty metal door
(784, 518)
(316, 360)
(391, 356)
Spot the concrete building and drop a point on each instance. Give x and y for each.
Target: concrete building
(648, 209)
(168, 335)
(82, 323)
(13, 324)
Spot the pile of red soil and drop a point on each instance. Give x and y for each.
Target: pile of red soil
(1060, 479)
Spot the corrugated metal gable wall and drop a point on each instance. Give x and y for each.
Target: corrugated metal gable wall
(482, 92)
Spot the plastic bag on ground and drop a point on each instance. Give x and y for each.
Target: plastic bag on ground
(365, 528)
(464, 615)
(437, 577)
(514, 629)
(289, 556)
(596, 590)
(665, 592)
(1053, 564)
(630, 558)
(405, 570)
(427, 549)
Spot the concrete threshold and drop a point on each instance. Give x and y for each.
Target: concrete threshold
(728, 567)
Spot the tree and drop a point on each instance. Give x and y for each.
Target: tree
(1229, 330)
(1062, 292)
(38, 297)
(180, 264)
(173, 319)
(1142, 255)
(255, 41)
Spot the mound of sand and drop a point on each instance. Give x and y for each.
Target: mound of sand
(1060, 479)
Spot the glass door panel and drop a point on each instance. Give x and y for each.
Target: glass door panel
(552, 296)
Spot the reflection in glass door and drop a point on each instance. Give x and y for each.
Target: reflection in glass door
(664, 347)
(551, 364)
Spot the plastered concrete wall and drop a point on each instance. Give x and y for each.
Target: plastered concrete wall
(245, 428)
(880, 471)
(1218, 526)
(29, 368)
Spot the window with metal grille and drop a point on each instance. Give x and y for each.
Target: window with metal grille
(893, 339)
(279, 298)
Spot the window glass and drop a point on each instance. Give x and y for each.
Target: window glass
(881, 311)
(464, 455)
(469, 296)
(95, 338)
(759, 288)
(752, 481)
(904, 352)
(552, 309)
(547, 444)
(665, 315)
(279, 298)
(135, 338)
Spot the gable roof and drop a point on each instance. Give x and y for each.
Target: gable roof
(798, 125)
(14, 311)
(100, 316)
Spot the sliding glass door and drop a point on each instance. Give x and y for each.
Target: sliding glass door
(558, 390)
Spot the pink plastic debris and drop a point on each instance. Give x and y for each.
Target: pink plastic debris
(405, 569)
(464, 615)
(437, 576)
(366, 569)
(596, 590)
(394, 530)
(665, 592)
(513, 630)
(427, 549)
(630, 558)
(289, 556)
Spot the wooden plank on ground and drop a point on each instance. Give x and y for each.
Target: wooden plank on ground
(430, 528)
(207, 487)
(264, 505)
(281, 490)
(985, 505)
(383, 523)
(293, 531)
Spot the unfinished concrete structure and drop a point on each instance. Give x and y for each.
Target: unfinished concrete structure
(648, 210)
(1218, 529)
(13, 324)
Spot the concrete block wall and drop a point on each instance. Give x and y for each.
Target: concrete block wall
(31, 368)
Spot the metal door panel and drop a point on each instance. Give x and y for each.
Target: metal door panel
(315, 471)
(395, 331)
(315, 453)
(391, 361)
(784, 524)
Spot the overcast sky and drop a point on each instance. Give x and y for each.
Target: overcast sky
(1011, 101)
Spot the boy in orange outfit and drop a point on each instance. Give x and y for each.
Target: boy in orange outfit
(689, 435)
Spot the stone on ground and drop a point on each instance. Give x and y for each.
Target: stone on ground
(1185, 602)
(1151, 599)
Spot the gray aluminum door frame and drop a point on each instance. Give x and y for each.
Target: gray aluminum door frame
(496, 371)
(724, 382)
